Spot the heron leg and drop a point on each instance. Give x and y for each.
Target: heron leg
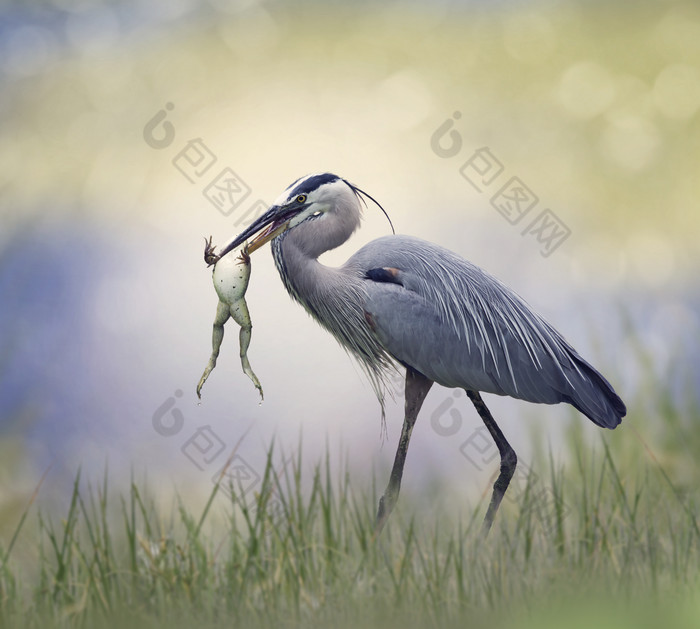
(509, 460)
(217, 335)
(417, 387)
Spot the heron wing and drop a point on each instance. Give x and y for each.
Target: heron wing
(461, 327)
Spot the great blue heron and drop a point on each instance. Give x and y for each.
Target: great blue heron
(400, 299)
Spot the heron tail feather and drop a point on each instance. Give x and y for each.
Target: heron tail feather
(595, 397)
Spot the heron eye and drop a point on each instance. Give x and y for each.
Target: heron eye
(301, 198)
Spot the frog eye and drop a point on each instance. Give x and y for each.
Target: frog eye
(301, 198)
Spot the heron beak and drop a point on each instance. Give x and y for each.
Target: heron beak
(268, 226)
(266, 236)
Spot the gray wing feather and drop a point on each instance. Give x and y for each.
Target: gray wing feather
(461, 327)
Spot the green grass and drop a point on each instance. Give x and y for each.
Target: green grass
(610, 539)
(585, 544)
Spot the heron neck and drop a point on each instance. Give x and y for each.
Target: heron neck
(334, 297)
(309, 281)
(299, 248)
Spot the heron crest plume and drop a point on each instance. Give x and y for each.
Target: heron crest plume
(309, 183)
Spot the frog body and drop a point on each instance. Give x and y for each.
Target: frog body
(231, 276)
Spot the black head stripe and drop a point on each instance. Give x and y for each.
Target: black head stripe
(305, 186)
(311, 183)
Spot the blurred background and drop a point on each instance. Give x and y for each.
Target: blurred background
(119, 119)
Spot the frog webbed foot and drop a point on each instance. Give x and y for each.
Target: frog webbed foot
(244, 255)
(209, 256)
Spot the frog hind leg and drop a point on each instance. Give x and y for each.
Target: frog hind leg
(217, 336)
(240, 314)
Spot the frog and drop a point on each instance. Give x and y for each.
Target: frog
(231, 275)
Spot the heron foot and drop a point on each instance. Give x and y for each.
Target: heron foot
(209, 256)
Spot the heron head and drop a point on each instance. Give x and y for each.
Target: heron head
(307, 199)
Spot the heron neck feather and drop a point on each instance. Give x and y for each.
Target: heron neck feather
(333, 296)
